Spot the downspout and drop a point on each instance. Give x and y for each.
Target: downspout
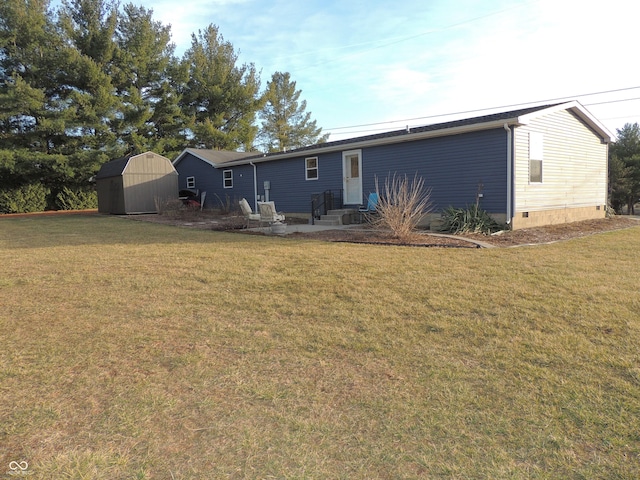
(255, 186)
(509, 174)
(606, 190)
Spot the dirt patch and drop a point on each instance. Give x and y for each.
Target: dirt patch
(528, 236)
(375, 237)
(556, 233)
(198, 220)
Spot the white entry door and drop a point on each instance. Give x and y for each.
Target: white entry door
(352, 177)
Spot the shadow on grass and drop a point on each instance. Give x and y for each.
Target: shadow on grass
(55, 231)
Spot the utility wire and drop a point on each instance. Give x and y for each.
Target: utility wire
(612, 101)
(493, 108)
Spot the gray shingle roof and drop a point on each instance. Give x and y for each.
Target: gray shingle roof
(114, 168)
(428, 128)
(442, 128)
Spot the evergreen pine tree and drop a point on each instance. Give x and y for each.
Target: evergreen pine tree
(285, 123)
(221, 97)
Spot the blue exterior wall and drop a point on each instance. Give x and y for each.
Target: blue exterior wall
(209, 179)
(290, 190)
(242, 185)
(203, 172)
(452, 166)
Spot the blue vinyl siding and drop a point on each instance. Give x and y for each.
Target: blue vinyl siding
(203, 173)
(210, 180)
(452, 166)
(289, 188)
(242, 185)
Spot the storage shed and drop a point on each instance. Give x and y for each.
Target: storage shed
(135, 183)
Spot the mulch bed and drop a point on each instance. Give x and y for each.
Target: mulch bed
(374, 237)
(528, 236)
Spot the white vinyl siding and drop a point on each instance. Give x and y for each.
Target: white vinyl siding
(575, 165)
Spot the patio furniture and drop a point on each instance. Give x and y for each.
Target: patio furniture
(203, 195)
(372, 204)
(248, 213)
(268, 213)
(189, 198)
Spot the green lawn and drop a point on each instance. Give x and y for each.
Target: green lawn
(134, 350)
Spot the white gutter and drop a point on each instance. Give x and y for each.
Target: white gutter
(509, 174)
(255, 186)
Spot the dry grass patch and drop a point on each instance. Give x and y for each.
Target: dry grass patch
(133, 350)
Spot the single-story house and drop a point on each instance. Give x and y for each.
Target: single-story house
(136, 184)
(533, 166)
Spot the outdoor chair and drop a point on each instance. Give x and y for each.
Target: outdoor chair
(248, 213)
(203, 196)
(268, 213)
(370, 208)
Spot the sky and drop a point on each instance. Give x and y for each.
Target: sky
(368, 66)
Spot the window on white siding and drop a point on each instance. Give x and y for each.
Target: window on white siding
(227, 178)
(191, 182)
(311, 168)
(536, 156)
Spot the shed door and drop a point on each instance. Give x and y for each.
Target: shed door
(352, 177)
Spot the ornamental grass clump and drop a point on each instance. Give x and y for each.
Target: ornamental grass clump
(401, 205)
(472, 219)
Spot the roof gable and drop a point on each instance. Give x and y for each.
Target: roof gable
(213, 157)
(579, 110)
(118, 167)
(114, 168)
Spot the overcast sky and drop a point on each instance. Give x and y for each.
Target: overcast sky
(363, 62)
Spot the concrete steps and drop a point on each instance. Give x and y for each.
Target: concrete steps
(336, 217)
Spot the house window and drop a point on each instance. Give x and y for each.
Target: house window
(536, 149)
(227, 178)
(191, 182)
(311, 168)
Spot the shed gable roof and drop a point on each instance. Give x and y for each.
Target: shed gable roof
(114, 168)
(117, 167)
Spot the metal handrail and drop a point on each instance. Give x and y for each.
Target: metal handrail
(321, 203)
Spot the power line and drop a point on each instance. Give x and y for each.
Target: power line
(612, 101)
(491, 108)
(618, 118)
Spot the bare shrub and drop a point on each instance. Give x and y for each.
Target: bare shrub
(401, 205)
(169, 207)
(227, 205)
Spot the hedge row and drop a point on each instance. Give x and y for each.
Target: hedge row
(36, 198)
